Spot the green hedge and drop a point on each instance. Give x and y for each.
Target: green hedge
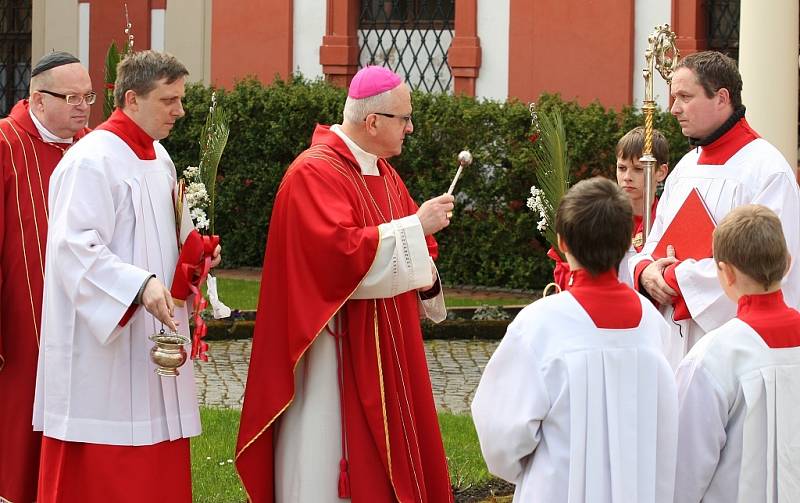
(492, 240)
(448, 329)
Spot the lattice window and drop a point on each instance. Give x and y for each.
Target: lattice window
(15, 52)
(723, 26)
(409, 36)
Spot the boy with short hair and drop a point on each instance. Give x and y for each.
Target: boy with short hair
(630, 177)
(578, 401)
(738, 387)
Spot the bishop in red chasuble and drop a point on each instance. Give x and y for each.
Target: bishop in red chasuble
(338, 403)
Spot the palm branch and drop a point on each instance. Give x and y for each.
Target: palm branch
(112, 59)
(551, 166)
(213, 139)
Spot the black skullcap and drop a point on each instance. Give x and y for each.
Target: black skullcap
(53, 60)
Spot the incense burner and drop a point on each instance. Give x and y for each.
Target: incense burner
(168, 352)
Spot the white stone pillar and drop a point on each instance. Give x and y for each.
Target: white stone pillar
(493, 30)
(768, 62)
(308, 29)
(647, 15)
(56, 26)
(187, 35)
(157, 22)
(84, 13)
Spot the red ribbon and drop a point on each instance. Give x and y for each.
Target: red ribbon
(194, 263)
(561, 271)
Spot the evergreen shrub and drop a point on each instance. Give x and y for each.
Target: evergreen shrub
(492, 239)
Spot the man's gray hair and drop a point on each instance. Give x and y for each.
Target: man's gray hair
(140, 71)
(356, 110)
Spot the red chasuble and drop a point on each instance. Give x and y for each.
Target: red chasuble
(98, 473)
(26, 162)
(323, 238)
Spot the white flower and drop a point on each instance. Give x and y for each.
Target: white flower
(539, 204)
(191, 173)
(542, 225)
(199, 218)
(196, 195)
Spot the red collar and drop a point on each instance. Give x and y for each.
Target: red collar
(582, 278)
(323, 135)
(721, 150)
(21, 116)
(759, 304)
(638, 223)
(131, 133)
(771, 318)
(609, 303)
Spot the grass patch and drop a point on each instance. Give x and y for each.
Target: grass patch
(214, 478)
(467, 468)
(242, 294)
(459, 301)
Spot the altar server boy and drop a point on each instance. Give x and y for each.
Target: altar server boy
(578, 402)
(739, 386)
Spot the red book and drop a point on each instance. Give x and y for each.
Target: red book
(690, 232)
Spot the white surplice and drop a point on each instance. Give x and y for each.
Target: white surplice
(739, 426)
(308, 441)
(572, 413)
(623, 273)
(112, 225)
(756, 174)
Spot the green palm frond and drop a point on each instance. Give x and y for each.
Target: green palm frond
(213, 139)
(551, 166)
(112, 59)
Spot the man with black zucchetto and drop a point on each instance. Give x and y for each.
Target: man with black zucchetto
(33, 139)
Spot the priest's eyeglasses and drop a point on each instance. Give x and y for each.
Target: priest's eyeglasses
(74, 99)
(406, 118)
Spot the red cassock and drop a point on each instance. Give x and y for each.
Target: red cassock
(323, 238)
(27, 162)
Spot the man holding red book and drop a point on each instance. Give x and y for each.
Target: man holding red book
(730, 165)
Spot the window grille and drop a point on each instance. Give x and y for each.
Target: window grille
(411, 37)
(15, 52)
(723, 26)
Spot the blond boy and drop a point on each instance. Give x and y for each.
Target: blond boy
(738, 387)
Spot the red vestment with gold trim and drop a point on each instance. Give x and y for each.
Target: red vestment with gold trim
(27, 162)
(323, 238)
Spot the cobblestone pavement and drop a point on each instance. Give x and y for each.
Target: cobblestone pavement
(455, 368)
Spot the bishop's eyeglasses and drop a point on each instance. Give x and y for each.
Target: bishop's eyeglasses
(405, 118)
(74, 99)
